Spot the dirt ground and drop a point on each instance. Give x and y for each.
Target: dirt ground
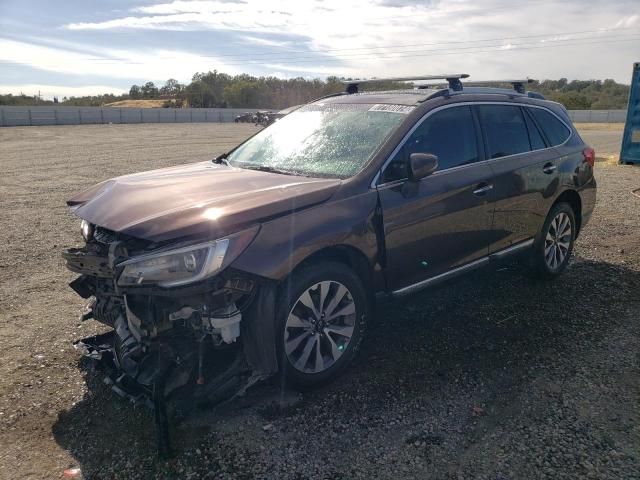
(137, 104)
(605, 138)
(494, 376)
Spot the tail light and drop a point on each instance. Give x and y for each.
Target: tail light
(589, 155)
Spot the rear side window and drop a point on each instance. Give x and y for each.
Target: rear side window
(449, 134)
(555, 131)
(504, 130)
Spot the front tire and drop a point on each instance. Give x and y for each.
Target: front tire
(554, 245)
(322, 311)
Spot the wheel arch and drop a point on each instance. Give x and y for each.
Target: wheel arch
(347, 255)
(573, 199)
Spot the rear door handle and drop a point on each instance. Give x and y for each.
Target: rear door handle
(549, 168)
(482, 189)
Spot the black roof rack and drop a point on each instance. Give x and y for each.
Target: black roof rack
(453, 79)
(518, 85)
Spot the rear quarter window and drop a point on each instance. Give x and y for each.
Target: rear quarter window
(535, 137)
(555, 131)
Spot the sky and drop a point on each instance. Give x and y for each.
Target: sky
(88, 47)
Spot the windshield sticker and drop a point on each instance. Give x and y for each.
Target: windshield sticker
(382, 107)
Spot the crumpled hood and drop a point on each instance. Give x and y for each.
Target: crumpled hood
(201, 199)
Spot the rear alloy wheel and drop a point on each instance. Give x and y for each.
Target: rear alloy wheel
(558, 240)
(555, 245)
(323, 323)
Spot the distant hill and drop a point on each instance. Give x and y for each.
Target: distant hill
(152, 103)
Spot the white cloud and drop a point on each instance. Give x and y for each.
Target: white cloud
(156, 65)
(188, 6)
(268, 42)
(317, 71)
(334, 28)
(315, 19)
(628, 21)
(334, 37)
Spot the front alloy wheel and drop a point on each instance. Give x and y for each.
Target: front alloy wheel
(319, 327)
(322, 310)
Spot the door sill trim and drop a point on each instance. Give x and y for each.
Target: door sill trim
(500, 255)
(440, 278)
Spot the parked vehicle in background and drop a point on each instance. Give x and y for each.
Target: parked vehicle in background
(265, 118)
(247, 117)
(275, 116)
(282, 245)
(262, 117)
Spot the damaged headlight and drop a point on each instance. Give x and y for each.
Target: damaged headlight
(170, 268)
(87, 229)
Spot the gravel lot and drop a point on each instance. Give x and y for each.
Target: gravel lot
(492, 377)
(606, 138)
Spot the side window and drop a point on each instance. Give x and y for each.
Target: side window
(535, 137)
(555, 131)
(504, 130)
(449, 134)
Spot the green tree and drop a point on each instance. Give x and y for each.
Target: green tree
(215, 89)
(171, 87)
(573, 100)
(149, 90)
(135, 92)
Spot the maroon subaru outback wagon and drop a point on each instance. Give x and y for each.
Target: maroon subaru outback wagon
(279, 248)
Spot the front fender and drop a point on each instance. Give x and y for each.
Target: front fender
(283, 243)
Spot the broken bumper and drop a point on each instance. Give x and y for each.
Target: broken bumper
(101, 349)
(170, 337)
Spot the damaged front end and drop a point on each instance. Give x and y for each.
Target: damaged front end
(174, 310)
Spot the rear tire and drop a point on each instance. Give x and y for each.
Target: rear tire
(554, 245)
(322, 311)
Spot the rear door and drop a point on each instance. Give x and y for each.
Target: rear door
(525, 172)
(442, 221)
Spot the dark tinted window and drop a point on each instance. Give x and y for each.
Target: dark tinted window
(504, 130)
(534, 134)
(553, 128)
(448, 134)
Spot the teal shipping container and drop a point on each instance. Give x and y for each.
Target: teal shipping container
(630, 151)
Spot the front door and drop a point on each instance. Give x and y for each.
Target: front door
(444, 220)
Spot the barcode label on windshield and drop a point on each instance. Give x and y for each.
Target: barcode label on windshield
(383, 107)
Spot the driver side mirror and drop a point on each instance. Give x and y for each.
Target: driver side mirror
(422, 165)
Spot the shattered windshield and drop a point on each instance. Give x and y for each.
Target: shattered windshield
(333, 141)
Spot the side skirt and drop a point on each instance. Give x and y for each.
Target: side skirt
(481, 262)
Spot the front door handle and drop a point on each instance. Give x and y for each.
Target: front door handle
(549, 168)
(482, 189)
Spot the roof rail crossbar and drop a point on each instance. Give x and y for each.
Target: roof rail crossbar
(453, 79)
(518, 85)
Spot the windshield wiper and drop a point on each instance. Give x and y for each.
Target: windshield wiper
(265, 168)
